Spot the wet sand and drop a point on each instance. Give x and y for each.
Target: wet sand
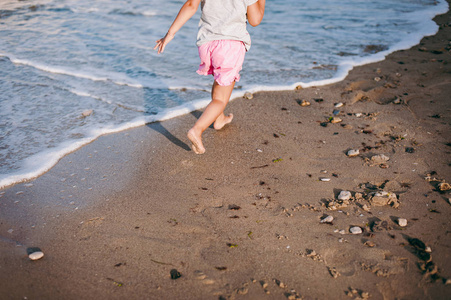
(121, 216)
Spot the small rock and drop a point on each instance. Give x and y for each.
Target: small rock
(397, 101)
(365, 207)
(448, 281)
(344, 195)
(175, 274)
(36, 255)
(248, 95)
(377, 79)
(304, 103)
(327, 219)
(280, 284)
(358, 115)
(353, 153)
(355, 230)
(380, 158)
(402, 222)
(336, 120)
(428, 249)
(333, 272)
(444, 186)
(324, 179)
(410, 149)
(369, 244)
(264, 284)
(87, 113)
(339, 104)
(342, 231)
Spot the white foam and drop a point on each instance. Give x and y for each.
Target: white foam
(118, 104)
(117, 78)
(149, 13)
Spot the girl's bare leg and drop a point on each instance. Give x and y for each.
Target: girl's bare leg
(214, 112)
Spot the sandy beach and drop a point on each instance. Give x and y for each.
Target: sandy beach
(137, 215)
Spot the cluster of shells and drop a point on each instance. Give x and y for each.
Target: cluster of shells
(378, 198)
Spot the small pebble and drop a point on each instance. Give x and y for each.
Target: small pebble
(397, 101)
(324, 179)
(344, 195)
(402, 222)
(339, 104)
(377, 79)
(428, 249)
(353, 153)
(248, 95)
(369, 244)
(336, 120)
(327, 219)
(36, 255)
(358, 115)
(304, 103)
(355, 230)
(87, 113)
(342, 231)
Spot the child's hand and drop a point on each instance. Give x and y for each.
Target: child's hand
(161, 43)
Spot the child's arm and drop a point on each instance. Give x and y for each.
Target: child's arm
(186, 12)
(255, 12)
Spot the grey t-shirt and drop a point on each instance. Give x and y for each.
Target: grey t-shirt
(224, 20)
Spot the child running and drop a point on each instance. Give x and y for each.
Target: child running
(223, 41)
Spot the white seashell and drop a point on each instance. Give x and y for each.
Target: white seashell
(402, 222)
(36, 255)
(356, 230)
(344, 195)
(352, 153)
(380, 158)
(327, 219)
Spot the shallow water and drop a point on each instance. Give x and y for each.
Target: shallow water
(61, 58)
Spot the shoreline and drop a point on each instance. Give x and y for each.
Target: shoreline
(53, 156)
(243, 221)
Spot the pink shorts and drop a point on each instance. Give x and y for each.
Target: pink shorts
(222, 58)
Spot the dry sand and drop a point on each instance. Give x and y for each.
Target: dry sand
(118, 217)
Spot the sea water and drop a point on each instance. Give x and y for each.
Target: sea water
(72, 70)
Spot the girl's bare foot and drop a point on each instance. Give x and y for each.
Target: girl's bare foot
(196, 141)
(221, 121)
